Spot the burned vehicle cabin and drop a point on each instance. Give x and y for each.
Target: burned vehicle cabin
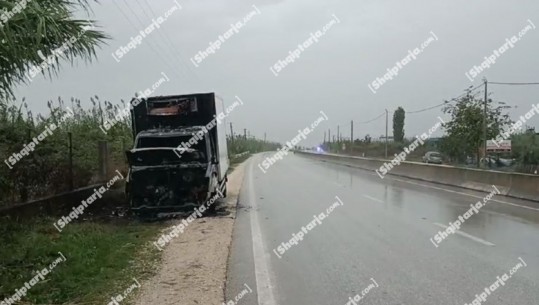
(179, 159)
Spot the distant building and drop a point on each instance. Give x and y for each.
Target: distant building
(383, 139)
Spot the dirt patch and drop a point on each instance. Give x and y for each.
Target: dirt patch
(193, 268)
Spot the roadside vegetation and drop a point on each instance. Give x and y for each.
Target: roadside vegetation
(46, 170)
(41, 30)
(462, 143)
(101, 259)
(243, 148)
(240, 144)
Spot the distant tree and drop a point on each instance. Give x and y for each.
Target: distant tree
(525, 149)
(465, 129)
(453, 148)
(398, 125)
(39, 31)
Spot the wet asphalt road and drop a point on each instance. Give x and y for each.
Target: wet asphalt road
(381, 234)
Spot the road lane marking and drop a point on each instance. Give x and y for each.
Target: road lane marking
(477, 239)
(261, 259)
(450, 191)
(373, 199)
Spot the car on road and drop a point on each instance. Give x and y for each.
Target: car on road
(433, 157)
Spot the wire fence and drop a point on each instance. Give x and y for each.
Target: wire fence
(44, 156)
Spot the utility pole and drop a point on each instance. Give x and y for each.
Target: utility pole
(485, 124)
(324, 137)
(245, 133)
(386, 132)
(231, 132)
(338, 134)
(329, 136)
(70, 140)
(351, 133)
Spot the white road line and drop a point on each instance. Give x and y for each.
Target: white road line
(261, 257)
(373, 199)
(477, 239)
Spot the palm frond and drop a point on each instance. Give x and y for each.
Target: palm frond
(42, 36)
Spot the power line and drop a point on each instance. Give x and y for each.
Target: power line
(444, 103)
(162, 35)
(426, 109)
(142, 24)
(372, 120)
(364, 122)
(420, 110)
(149, 42)
(466, 93)
(173, 48)
(513, 84)
(352, 123)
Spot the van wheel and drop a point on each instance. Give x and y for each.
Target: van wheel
(211, 209)
(225, 189)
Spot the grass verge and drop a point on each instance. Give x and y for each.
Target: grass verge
(101, 259)
(236, 161)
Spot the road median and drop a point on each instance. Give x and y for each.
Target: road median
(517, 185)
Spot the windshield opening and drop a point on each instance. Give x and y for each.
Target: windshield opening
(197, 150)
(172, 142)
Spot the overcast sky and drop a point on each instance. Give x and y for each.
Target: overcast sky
(330, 75)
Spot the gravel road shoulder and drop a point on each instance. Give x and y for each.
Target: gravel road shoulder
(193, 266)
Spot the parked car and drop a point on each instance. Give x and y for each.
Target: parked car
(433, 157)
(507, 162)
(498, 162)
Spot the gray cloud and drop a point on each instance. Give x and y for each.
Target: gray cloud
(331, 75)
